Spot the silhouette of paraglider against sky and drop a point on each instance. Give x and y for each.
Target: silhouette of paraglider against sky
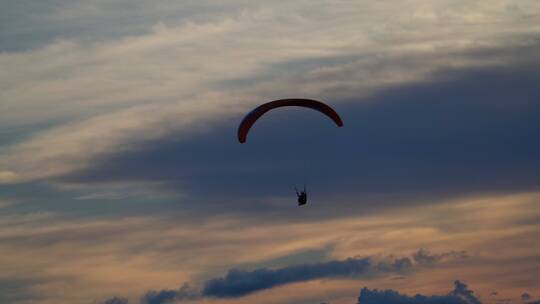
(250, 119)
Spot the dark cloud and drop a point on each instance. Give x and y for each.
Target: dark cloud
(116, 300)
(461, 290)
(462, 132)
(423, 256)
(239, 283)
(170, 295)
(526, 298)
(460, 295)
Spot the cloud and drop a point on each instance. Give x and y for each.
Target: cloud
(114, 253)
(422, 152)
(138, 85)
(461, 290)
(423, 256)
(7, 177)
(6, 203)
(168, 295)
(460, 295)
(14, 290)
(90, 21)
(526, 298)
(116, 300)
(239, 283)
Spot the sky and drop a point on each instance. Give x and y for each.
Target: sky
(122, 181)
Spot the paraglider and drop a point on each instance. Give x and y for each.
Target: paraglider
(250, 119)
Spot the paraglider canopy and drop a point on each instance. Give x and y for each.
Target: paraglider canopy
(251, 117)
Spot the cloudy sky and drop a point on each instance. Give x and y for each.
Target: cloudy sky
(121, 179)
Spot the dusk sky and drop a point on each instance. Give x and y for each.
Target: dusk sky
(122, 180)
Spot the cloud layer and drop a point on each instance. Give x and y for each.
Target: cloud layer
(102, 257)
(457, 135)
(460, 295)
(212, 64)
(120, 172)
(240, 283)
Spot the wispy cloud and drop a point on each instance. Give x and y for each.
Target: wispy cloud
(96, 258)
(423, 256)
(6, 203)
(165, 79)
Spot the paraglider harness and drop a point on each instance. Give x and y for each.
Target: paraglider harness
(302, 196)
